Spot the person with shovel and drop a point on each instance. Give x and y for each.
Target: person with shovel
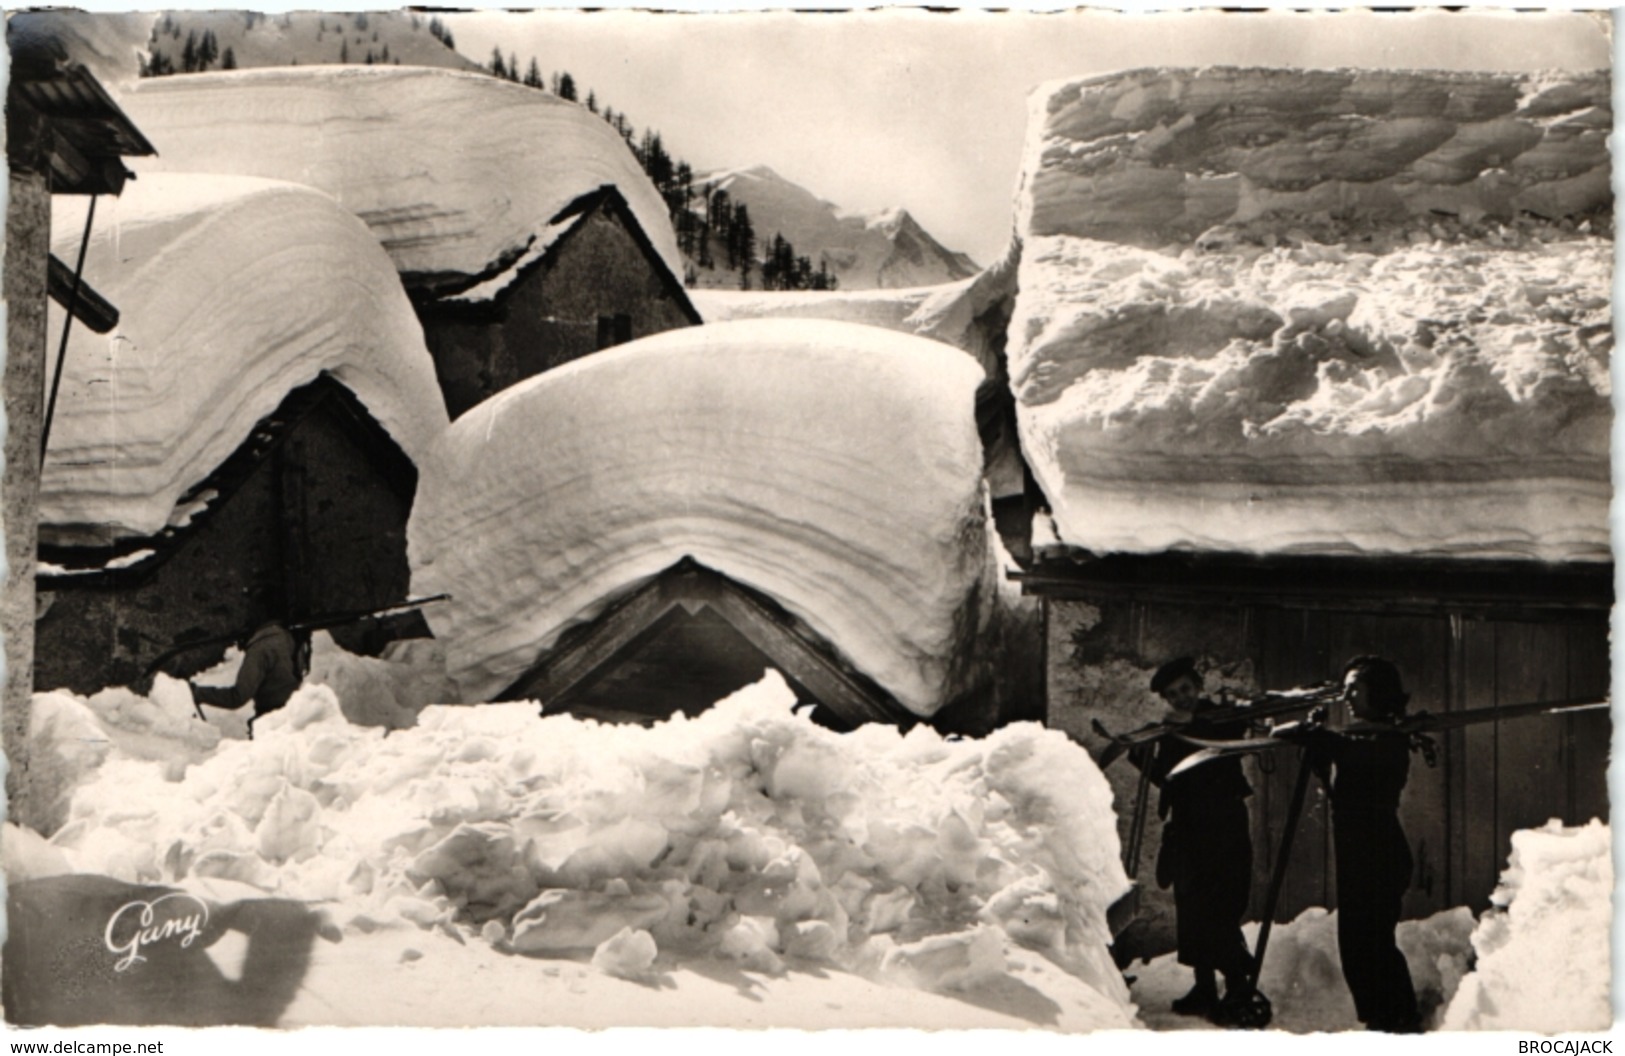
(1207, 850)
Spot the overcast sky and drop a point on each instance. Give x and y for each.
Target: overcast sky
(928, 111)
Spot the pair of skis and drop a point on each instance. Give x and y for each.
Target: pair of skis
(1418, 726)
(1261, 708)
(1251, 1009)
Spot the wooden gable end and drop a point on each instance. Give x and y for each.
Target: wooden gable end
(313, 506)
(590, 653)
(601, 283)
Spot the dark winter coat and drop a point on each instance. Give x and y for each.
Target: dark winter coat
(1365, 775)
(1207, 849)
(270, 673)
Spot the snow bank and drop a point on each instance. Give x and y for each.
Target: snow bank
(1324, 373)
(833, 467)
(231, 292)
(1543, 951)
(457, 174)
(746, 835)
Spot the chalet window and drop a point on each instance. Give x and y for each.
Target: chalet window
(614, 330)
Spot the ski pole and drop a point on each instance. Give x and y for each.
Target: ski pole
(1282, 860)
(1136, 832)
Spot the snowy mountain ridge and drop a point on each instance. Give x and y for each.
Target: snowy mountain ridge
(884, 248)
(117, 48)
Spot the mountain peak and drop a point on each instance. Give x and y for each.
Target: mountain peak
(883, 248)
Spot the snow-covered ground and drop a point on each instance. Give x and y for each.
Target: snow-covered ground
(482, 866)
(231, 292)
(1304, 981)
(457, 174)
(834, 467)
(743, 867)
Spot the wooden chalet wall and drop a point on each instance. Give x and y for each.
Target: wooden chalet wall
(1104, 639)
(601, 268)
(315, 508)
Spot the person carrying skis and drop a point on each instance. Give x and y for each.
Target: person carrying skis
(1364, 773)
(273, 667)
(1207, 851)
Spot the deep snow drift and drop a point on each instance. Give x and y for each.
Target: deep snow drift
(747, 837)
(833, 467)
(742, 868)
(490, 163)
(1324, 373)
(1543, 951)
(231, 292)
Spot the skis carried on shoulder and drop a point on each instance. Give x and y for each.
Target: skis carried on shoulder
(1270, 705)
(1417, 726)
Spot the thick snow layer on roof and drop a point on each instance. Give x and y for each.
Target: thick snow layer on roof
(968, 879)
(1350, 345)
(1147, 155)
(1543, 948)
(231, 292)
(949, 312)
(458, 174)
(1447, 395)
(833, 467)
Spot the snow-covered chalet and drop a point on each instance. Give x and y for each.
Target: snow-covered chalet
(716, 501)
(251, 424)
(521, 225)
(1314, 364)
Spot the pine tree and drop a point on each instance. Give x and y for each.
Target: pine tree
(498, 67)
(344, 51)
(743, 237)
(370, 57)
(513, 67)
(567, 87)
(384, 55)
(533, 74)
(229, 60)
(189, 53)
(592, 102)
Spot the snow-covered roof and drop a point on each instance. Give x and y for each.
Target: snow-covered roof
(1149, 155)
(458, 174)
(1355, 382)
(943, 312)
(834, 467)
(231, 292)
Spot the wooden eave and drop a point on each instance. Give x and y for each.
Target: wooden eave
(1416, 585)
(581, 655)
(88, 131)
